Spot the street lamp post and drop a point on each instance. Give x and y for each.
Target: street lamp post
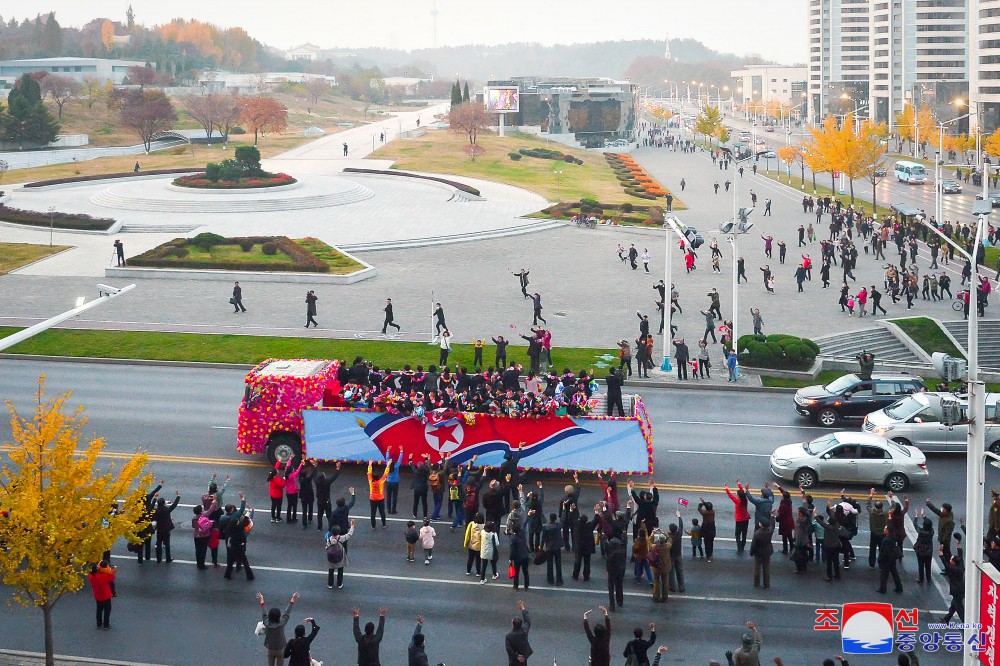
(52, 210)
(670, 223)
(558, 173)
(939, 169)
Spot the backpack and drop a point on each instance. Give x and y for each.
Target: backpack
(335, 552)
(653, 557)
(454, 492)
(471, 500)
(434, 480)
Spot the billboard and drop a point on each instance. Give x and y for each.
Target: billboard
(503, 100)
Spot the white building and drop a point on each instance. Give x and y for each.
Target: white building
(920, 55)
(303, 52)
(252, 84)
(76, 68)
(984, 75)
(839, 62)
(771, 83)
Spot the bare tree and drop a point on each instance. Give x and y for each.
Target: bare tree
(141, 76)
(148, 113)
(213, 112)
(470, 118)
(315, 88)
(60, 88)
(4, 167)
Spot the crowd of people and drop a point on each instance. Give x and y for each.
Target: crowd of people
(503, 391)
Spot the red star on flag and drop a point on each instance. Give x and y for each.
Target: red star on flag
(444, 434)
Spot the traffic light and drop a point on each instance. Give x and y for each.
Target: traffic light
(694, 239)
(745, 223)
(949, 368)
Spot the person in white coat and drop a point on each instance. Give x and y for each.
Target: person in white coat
(489, 550)
(445, 347)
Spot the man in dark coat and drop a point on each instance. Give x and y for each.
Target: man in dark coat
(614, 551)
(516, 641)
(614, 398)
(416, 654)
(368, 642)
(237, 299)
(388, 317)
(646, 502)
(311, 309)
(681, 356)
(583, 545)
(761, 550)
(600, 639)
(887, 558)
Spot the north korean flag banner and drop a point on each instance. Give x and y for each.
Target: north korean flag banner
(550, 442)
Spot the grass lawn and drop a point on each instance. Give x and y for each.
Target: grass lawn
(440, 151)
(928, 335)
(15, 255)
(339, 263)
(250, 350)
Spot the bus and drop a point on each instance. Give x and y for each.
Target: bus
(910, 172)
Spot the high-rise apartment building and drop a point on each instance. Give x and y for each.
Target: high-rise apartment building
(839, 58)
(875, 56)
(984, 74)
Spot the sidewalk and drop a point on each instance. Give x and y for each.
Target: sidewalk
(19, 658)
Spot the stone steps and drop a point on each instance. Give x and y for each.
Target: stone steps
(879, 341)
(229, 203)
(989, 339)
(540, 225)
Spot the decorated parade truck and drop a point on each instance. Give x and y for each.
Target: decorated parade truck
(286, 413)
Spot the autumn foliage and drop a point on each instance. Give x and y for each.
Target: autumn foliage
(55, 501)
(262, 114)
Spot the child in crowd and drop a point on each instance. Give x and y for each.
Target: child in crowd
(695, 533)
(411, 535)
(427, 535)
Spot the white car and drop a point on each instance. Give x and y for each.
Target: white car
(918, 420)
(850, 457)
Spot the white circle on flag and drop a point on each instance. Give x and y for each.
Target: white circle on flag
(444, 437)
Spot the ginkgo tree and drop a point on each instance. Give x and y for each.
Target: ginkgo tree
(55, 505)
(708, 122)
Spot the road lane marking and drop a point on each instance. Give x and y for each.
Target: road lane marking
(223, 427)
(720, 453)
(506, 585)
(741, 425)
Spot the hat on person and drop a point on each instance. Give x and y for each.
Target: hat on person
(747, 639)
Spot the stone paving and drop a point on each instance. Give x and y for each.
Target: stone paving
(590, 298)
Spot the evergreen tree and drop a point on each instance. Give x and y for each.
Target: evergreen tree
(456, 95)
(27, 119)
(52, 38)
(465, 93)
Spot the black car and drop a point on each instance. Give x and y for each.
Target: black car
(949, 186)
(994, 199)
(851, 398)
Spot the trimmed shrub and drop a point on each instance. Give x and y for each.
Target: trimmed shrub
(248, 158)
(55, 219)
(627, 207)
(569, 159)
(207, 240)
(246, 244)
(514, 156)
(779, 351)
(237, 130)
(230, 170)
(269, 248)
(213, 171)
(590, 202)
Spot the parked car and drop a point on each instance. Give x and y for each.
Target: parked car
(949, 186)
(851, 398)
(880, 171)
(850, 457)
(769, 153)
(916, 420)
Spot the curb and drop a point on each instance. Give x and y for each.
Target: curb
(247, 367)
(60, 658)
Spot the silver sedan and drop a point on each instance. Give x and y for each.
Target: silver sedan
(850, 457)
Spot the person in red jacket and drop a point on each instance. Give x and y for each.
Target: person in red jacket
(102, 577)
(742, 515)
(276, 489)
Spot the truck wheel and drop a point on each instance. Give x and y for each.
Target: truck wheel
(827, 417)
(805, 477)
(897, 482)
(283, 446)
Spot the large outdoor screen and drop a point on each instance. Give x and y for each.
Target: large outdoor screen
(503, 100)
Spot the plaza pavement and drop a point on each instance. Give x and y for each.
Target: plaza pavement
(590, 298)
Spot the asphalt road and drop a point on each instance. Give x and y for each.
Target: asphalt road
(175, 614)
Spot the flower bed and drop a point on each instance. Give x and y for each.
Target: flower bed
(625, 213)
(634, 178)
(405, 174)
(546, 154)
(252, 253)
(55, 219)
(200, 181)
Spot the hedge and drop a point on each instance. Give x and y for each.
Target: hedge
(127, 174)
(55, 219)
(201, 181)
(778, 351)
(404, 174)
(303, 261)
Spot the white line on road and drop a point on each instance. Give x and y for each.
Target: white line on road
(720, 453)
(543, 588)
(740, 425)
(223, 427)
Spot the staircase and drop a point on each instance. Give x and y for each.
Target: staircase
(878, 341)
(989, 340)
(244, 203)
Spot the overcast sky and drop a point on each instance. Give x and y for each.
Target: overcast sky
(774, 28)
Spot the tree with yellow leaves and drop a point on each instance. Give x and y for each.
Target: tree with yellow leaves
(991, 144)
(708, 122)
(821, 147)
(55, 506)
(870, 149)
(906, 121)
(927, 127)
(794, 155)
